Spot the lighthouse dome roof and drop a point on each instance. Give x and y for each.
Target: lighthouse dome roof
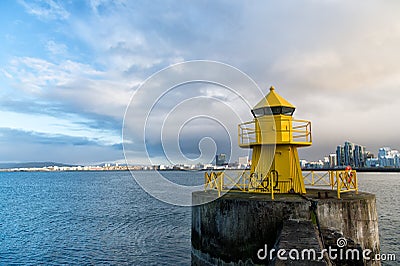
(273, 99)
(273, 104)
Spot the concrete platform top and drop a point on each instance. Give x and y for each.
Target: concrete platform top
(314, 194)
(327, 194)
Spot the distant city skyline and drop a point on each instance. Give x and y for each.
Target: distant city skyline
(68, 70)
(384, 157)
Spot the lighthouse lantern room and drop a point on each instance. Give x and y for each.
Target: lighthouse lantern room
(274, 136)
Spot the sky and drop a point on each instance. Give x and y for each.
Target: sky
(71, 70)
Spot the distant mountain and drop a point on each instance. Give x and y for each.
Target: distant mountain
(32, 165)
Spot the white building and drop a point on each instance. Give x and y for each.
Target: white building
(303, 163)
(243, 162)
(332, 160)
(326, 162)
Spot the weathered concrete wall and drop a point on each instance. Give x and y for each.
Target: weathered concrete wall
(234, 227)
(355, 217)
(231, 229)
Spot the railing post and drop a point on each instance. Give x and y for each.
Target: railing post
(312, 178)
(221, 180)
(219, 183)
(356, 181)
(205, 181)
(244, 177)
(338, 181)
(239, 139)
(271, 181)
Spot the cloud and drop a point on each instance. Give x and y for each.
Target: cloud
(72, 86)
(183, 104)
(28, 146)
(56, 48)
(45, 9)
(72, 125)
(337, 61)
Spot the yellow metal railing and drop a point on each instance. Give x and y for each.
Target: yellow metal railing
(300, 132)
(314, 178)
(340, 180)
(247, 133)
(242, 182)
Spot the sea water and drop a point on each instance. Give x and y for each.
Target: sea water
(107, 218)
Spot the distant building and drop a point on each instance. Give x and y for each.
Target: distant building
(339, 156)
(326, 162)
(360, 156)
(332, 160)
(351, 154)
(348, 153)
(388, 157)
(314, 165)
(220, 159)
(372, 162)
(303, 163)
(369, 154)
(208, 166)
(243, 161)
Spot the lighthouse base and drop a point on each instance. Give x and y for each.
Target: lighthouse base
(243, 228)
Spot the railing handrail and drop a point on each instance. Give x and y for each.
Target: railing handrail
(340, 180)
(248, 134)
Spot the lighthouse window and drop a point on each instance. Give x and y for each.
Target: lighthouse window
(268, 111)
(287, 110)
(258, 112)
(277, 110)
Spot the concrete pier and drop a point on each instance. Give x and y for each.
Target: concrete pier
(236, 228)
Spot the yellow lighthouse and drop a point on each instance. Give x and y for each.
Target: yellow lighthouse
(274, 136)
